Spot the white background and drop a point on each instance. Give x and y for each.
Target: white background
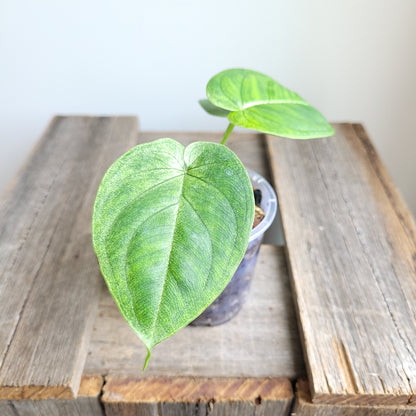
(353, 60)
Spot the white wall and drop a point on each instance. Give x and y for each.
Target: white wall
(354, 60)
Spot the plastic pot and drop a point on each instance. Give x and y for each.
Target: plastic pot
(230, 301)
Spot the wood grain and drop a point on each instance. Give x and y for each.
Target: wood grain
(403, 214)
(261, 341)
(196, 396)
(304, 407)
(352, 254)
(50, 281)
(87, 403)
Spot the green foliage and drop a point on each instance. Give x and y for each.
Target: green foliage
(258, 102)
(170, 226)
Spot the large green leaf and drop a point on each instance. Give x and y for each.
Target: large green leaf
(258, 102)
(170, 226)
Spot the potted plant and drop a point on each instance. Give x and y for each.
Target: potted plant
(171, 224)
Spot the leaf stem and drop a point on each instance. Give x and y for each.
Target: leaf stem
(227, 133)
(147, 359)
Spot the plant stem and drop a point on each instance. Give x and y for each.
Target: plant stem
(147, 359)
(227, 133)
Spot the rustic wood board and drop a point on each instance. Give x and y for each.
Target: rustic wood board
(50, 281)
(185, 396)
(351, 250)
(261, 341)
(304, 407)
(86, 404)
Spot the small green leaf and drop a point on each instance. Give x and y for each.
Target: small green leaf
(170, 226)
(213, 109)
(258, 102)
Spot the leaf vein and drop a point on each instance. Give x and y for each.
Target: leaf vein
(106, 236)
(205, 164)
(205, 226)
(218, 190)
(169, 260)
(234, 216)
(146, 191)
(274, 101)
(125, 263)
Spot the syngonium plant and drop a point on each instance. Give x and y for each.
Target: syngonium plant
(171, 223)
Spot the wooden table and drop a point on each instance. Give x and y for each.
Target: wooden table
(349, 264)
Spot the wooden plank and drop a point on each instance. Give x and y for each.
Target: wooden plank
(404, 215)
(304, 407)
(50, 281)
(87, 403)
(352, 252)
(261, 341)
(181, 396)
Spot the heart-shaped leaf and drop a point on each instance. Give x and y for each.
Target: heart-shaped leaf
(258, 102)
(170, 226)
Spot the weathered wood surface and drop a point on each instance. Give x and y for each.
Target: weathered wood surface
(351, 250)
(261, 341)
(304, 407)
(50, 281)
(161, 396)
(86, 404)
